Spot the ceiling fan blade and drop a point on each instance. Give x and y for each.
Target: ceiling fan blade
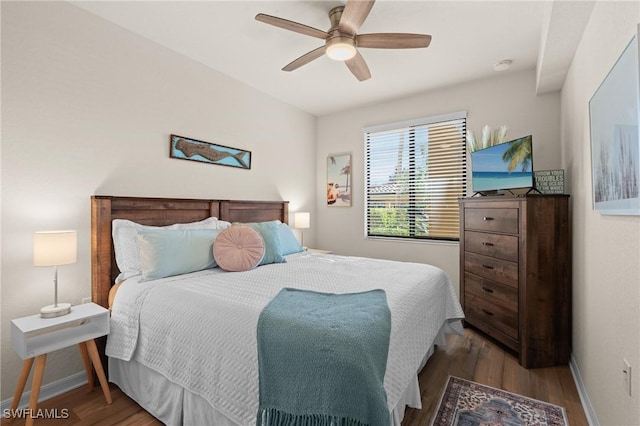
(353, 15)
(393, 40)
(305, 59)
(358, 67)
(292, 26)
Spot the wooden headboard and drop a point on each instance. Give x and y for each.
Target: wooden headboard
(160, 212)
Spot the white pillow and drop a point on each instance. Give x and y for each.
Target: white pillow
(223, 224)
(124, 233)
(169, 252)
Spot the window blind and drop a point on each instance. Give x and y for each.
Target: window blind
(415, 173)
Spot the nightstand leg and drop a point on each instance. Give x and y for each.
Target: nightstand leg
(87, 364)
(24, 375)
(97, 364)
(41, 360)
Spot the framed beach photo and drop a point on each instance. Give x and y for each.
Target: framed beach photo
(339, 180)
(614, 113)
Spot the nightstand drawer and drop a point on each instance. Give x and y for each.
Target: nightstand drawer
(496, 316)
(494, 245)
(492, 292)
(32, 336)
(493, 220)
(499, 270)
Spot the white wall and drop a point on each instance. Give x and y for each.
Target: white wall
(606, 249)
(87, 108)
(506, 99)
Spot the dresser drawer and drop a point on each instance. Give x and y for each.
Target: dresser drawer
(494, 245)
(495, 316)
(502, 271)
(493, 220)
(498, 294)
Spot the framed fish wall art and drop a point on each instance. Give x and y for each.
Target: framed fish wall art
(191, 149)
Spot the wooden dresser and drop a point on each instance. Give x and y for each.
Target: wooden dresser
(515, 273)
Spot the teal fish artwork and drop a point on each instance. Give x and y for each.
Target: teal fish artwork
(205, 152)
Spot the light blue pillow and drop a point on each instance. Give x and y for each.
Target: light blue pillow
(168, 252)
(271, 237)
(288, 242)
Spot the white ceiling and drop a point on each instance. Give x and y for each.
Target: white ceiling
(468, 38)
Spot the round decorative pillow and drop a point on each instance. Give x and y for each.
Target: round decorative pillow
(238, 248)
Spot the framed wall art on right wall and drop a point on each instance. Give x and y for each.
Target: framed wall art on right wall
(614, 112)
(339, 180)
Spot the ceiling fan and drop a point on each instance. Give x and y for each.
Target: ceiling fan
(342, 39)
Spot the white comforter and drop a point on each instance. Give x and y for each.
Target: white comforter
(199, 329)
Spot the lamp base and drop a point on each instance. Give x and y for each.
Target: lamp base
(52, 311)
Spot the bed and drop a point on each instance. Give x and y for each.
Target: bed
(184, 347)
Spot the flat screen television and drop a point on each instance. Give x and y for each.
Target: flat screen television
(505, 166)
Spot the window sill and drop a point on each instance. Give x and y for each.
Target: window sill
(415, 241)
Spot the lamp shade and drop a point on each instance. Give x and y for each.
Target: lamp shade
(301, 220)
(55, 248)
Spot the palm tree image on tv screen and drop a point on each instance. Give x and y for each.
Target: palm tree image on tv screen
(507, 165)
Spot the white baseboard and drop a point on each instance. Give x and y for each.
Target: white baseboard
(49, 390)
(582, 392)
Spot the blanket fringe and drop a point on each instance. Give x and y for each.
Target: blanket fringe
(274, 417)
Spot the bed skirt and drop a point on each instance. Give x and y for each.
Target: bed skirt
(173, 405)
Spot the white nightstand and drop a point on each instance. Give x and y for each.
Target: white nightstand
(312, 250)
(34, 337)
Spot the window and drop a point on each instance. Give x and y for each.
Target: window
(415, 173)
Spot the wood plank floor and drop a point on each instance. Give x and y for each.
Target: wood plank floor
(475, 357)
(472, 357)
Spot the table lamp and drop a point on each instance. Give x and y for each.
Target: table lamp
(301, 220)
(55, 248)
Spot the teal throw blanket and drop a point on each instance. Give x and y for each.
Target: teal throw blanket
(322, 359)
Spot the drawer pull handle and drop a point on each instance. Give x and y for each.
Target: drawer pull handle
(487, 218)
(488, 312)
(488, 244)
(487, 266)
(488, 290)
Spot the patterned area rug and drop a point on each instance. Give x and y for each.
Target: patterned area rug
(466, 403)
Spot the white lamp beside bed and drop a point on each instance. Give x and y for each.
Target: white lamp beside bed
(55, 248)
(302, 220)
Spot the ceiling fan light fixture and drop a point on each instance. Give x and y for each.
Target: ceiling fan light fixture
(341, 48)
(341, 51)
(341, 40)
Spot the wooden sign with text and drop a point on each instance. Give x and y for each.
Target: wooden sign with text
(549, 181)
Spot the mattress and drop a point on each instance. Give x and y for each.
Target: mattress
(198, 331)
